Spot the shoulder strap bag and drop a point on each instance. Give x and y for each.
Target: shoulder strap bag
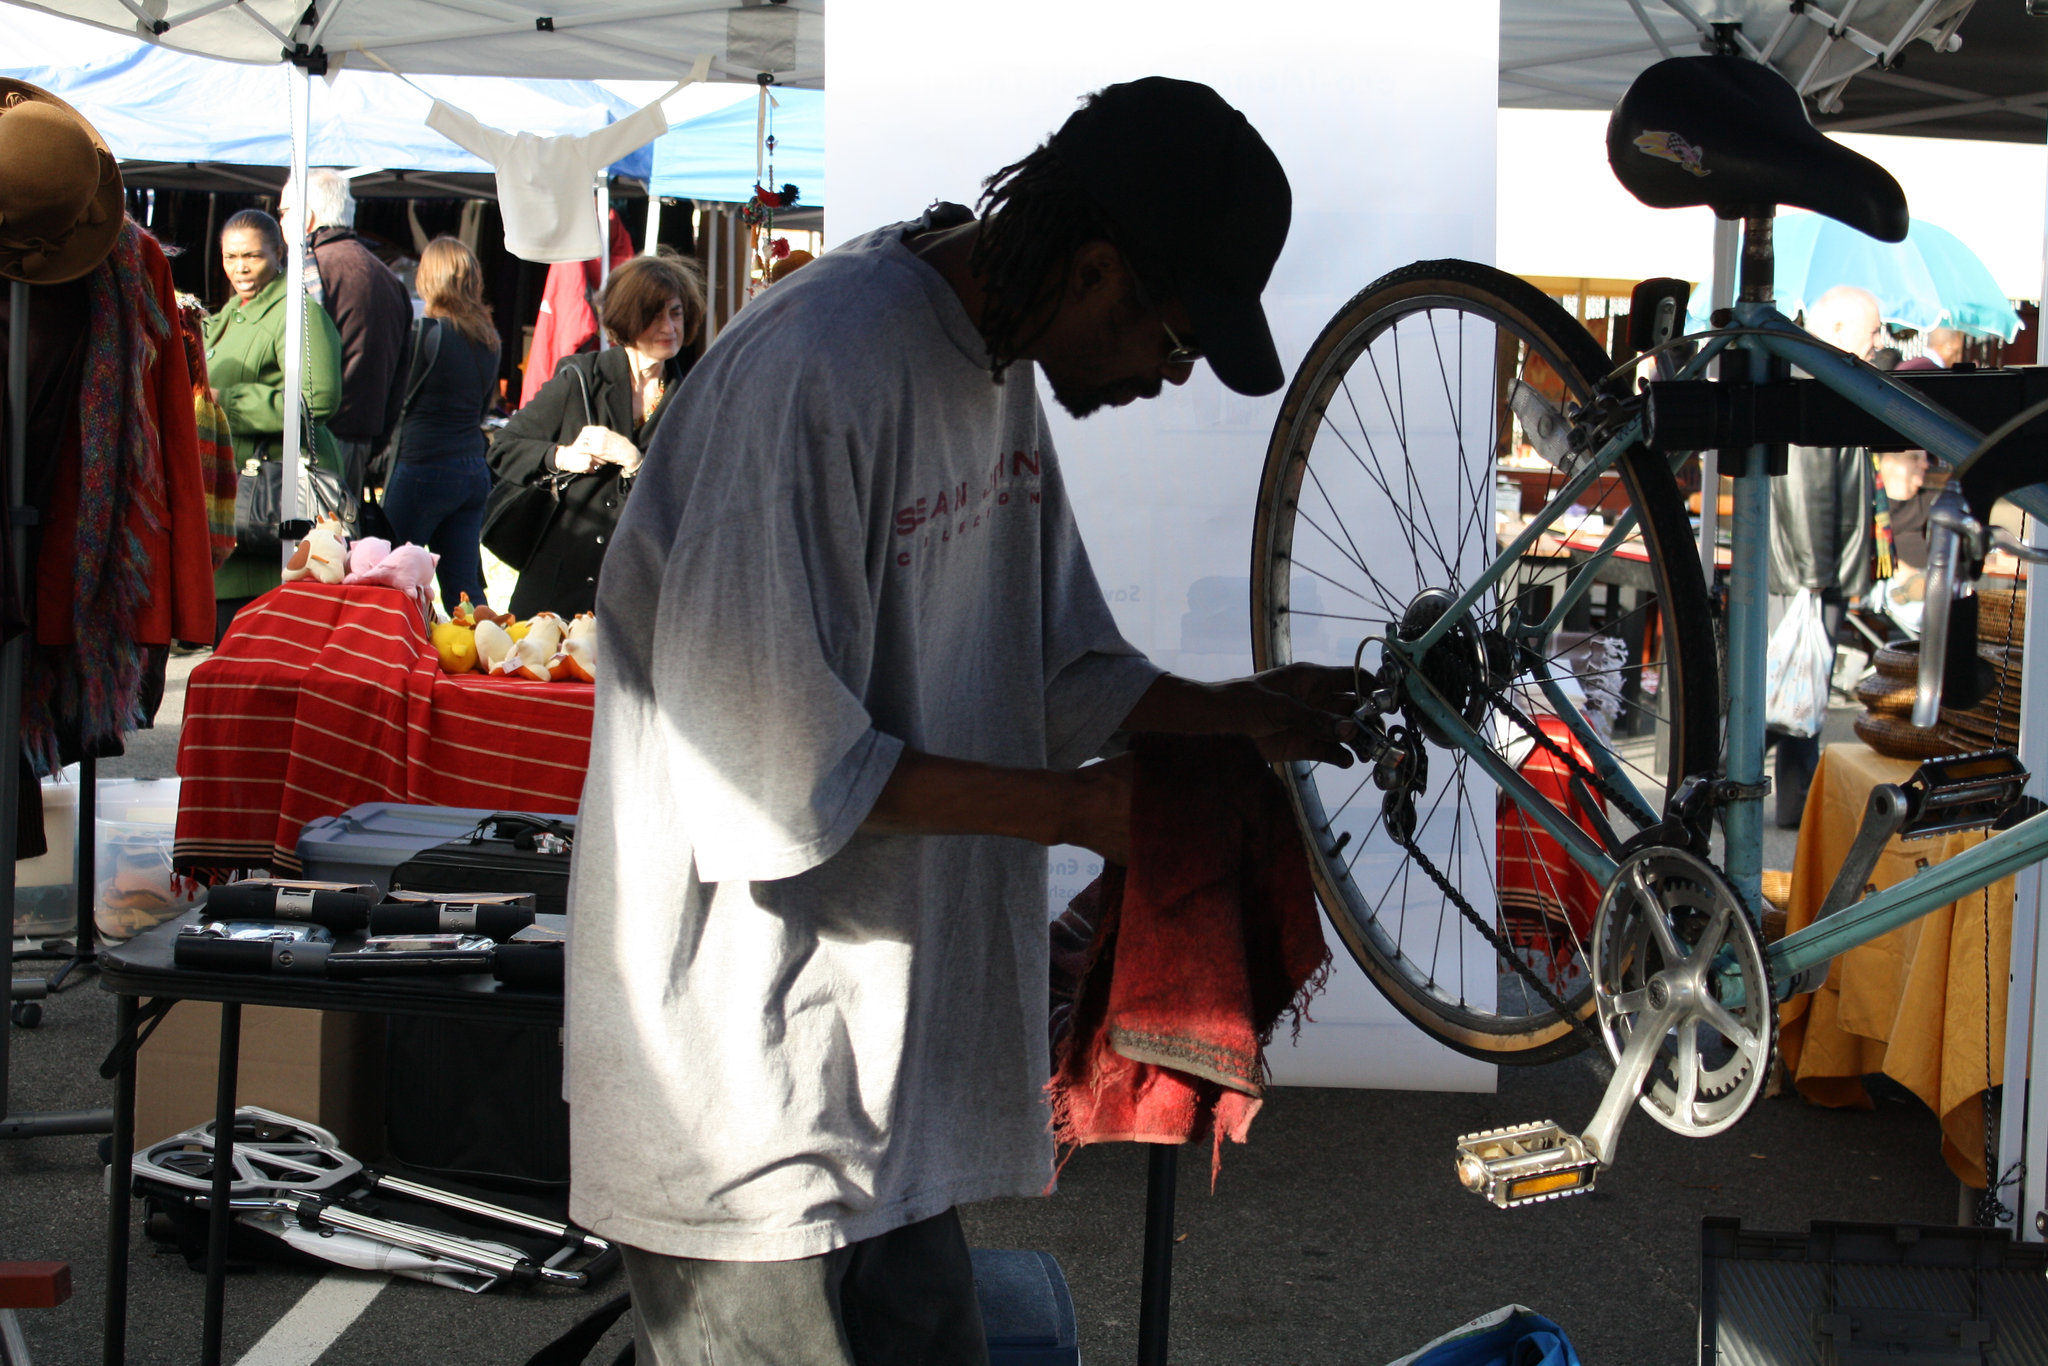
(259, 496)
(517, 516)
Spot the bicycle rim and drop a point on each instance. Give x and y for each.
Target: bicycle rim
(1400, 465)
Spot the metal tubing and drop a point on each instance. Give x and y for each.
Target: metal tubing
(1582, 578)
(1155, 1296)
(10, 654)
(1904, 902)
(120, 1202)
(1555, 823)
(1540, 523)
(1603, 758)
(56, 1123)
(218, 1216)
(450, 1200)
(1742, 821)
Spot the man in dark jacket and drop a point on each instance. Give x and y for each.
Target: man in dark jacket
(1821, 532)
(370, 308)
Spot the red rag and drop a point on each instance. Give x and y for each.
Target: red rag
(1202, 945)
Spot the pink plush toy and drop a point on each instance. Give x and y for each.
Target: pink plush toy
(408, 567)
(365, 554)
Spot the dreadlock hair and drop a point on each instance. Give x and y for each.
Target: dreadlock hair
(1034, 217)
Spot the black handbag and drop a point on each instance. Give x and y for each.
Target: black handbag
(517, 516)
(259, 495)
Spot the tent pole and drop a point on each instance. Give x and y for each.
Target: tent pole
(299, 85)
(602, 198)
(2023, 1127)
(653, 223)
(1727, 253)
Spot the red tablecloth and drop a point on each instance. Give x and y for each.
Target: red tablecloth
(322, 697)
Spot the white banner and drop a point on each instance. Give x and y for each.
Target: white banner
(1383, 115)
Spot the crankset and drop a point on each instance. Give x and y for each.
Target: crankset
(1684, 1004)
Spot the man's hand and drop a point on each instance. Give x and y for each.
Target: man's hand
(1301, 711)
(1099, 814)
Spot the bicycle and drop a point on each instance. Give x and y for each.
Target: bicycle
(1586, 738)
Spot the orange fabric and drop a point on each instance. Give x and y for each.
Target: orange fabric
(565, 320)
(180, 604)
(1547, 901)
(1201, 946)
(1909, 1004)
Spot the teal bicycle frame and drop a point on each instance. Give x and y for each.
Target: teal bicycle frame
(1764, 344)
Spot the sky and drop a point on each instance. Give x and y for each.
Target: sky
(1563, 213)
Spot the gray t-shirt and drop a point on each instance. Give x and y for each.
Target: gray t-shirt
(785, 1036)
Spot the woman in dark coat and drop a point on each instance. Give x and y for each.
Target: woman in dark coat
(589, 426)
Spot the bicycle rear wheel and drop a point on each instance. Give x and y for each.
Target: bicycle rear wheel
(1403, 459)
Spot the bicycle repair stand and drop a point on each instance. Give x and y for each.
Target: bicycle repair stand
(1155, 1294)
(83, 949)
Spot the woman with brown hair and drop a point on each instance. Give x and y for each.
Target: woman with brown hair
(438, 482)
(587, 428)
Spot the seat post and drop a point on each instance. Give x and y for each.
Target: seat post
(1759, 265)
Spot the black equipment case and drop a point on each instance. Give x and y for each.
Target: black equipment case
(483, 1103)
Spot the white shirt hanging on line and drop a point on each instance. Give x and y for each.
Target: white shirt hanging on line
(544, 184)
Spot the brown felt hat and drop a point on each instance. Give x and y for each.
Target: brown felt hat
(60, 189)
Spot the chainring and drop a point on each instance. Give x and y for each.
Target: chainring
(1672, 941)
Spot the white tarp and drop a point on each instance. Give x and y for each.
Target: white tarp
(1385, 124)
(577, 39)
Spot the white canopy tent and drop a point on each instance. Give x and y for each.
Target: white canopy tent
(780, 43)
(1977, 72)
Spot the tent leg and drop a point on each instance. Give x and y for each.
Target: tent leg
(653, 247)
(295, 438)
(1162, 1171)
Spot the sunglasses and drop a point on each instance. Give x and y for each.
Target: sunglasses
(1183, 353)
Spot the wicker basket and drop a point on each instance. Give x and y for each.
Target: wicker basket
(1900, 662)
(1887, 696)
(1898, 739)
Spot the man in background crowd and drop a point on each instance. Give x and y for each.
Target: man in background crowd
(1821, 525)
(1943, 351)
(370, 308)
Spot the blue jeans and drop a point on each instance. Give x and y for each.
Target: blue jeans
(440, 504)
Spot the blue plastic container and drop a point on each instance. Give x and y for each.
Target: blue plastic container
(1025, 1309)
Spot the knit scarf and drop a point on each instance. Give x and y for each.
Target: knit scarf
(217, 466)
(91, 687)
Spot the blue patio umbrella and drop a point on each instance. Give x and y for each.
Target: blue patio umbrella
(1929, 280)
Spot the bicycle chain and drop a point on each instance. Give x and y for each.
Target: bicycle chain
(1500, 943)
(1626, 802)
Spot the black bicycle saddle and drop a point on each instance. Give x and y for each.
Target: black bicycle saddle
(1733, 134)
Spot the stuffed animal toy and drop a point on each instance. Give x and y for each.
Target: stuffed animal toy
(366, 553)
(322, 556)
(409, 567)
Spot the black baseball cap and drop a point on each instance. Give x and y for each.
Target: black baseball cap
(1198, 198)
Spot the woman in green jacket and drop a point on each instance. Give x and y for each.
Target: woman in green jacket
(245, 364)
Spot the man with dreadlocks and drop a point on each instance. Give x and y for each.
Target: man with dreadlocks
(853, 660)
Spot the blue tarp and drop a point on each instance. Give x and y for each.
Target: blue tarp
(156, 104)
(712, 157)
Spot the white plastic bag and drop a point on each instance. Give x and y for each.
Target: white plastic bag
(1801, 660)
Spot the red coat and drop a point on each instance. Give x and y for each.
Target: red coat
(565, 321)
(180, 604)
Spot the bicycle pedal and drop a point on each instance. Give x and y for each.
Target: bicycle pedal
(1962, 792)
(1525, 1164)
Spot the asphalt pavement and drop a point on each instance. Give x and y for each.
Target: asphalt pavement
(1337, 1235)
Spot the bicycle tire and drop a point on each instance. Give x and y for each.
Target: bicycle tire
(1688, 680)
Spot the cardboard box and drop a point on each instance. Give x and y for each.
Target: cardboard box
(322, 1066)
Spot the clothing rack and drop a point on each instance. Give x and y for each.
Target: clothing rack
(34, 1124)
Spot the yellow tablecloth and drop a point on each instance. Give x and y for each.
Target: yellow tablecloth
(1909, 1004)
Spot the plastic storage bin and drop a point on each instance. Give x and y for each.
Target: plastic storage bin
(43, 904)
(134, 887)
(1026, 1312)
(1842, 1293)
(137, 823)
(365, 843)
